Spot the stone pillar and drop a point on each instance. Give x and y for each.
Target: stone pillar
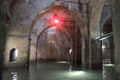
(111, 50)
(108, 72)
(115, 10)
(95, 6)
(97, 56)
(83, 53)
(2, 33)
(87, 55)
(73, 53)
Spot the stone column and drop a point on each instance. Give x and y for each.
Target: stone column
(95, 10)
(115, 10)
(2, 33)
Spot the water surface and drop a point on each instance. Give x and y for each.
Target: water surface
(50, 71)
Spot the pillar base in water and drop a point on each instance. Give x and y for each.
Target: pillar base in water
(108, 72)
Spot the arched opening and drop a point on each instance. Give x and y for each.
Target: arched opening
(53, 44)
(107, 27)
(108, 51)
(108, 44)
(13, 55)
(71, 25)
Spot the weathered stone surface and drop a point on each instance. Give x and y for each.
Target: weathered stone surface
(21, 14)
(2, 32)
(106, 14)
(95, 10)
(115, 9)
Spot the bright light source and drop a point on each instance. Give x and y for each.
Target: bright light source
(103, 46)
(70, 51)
(56, 21)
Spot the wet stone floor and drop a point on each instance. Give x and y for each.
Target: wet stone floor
(50, 71)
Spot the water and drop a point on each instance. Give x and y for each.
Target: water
(50, 71)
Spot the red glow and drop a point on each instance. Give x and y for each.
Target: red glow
(56, 21)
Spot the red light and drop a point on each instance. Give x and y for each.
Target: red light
(56, 21)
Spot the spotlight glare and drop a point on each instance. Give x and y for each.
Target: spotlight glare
(76, 73)
(56, 21)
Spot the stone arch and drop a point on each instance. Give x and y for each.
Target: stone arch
(96, 8)
(78, 22)
(107, 27)
(44, 31)
(82, 27)
(106, 30)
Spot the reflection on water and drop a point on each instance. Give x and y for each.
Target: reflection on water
(70, 68)
(14, 76)
(50, 71)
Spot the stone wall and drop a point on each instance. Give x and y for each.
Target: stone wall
(19, 43)
(95, 10)
(21, 14)
(115, 10)
(105, 15)
(2, 33)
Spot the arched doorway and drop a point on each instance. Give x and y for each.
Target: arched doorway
(53, 44)
(71, 25)
(108, 44)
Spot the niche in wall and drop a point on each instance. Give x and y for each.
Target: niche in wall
(13, 55)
